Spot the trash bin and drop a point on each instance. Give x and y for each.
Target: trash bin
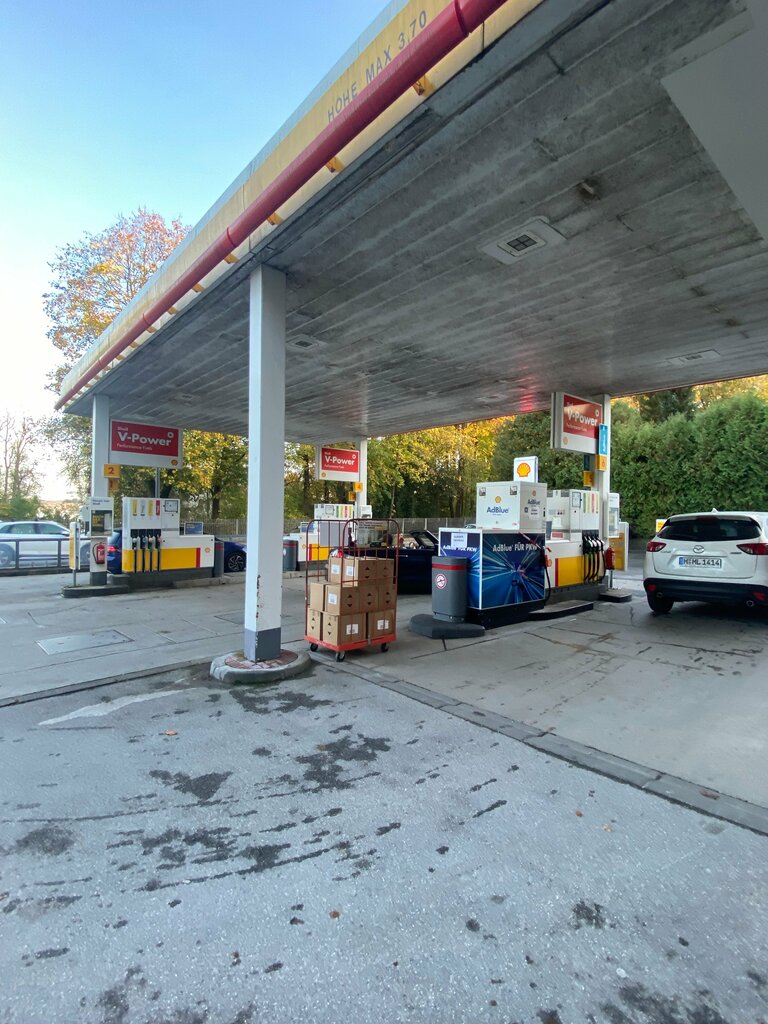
(218, 557)
(449, 588)
(290, 555)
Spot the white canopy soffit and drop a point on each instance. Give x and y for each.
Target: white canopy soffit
(572, 199)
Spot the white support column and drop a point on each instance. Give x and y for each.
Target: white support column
(100, 445)
(266, 460)
(100, 449)
(361, 498)
(603, 478)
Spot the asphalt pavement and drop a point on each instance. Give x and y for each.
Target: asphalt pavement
(174, 851)
(681, 696)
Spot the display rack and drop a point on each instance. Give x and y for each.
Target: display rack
(351, 600)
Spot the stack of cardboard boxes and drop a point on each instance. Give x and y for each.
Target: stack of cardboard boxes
(357, 602)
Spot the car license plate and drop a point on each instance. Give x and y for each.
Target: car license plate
(691, 561)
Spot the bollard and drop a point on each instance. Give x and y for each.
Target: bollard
(218, 557)
(449, 588)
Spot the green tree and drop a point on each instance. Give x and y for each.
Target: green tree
(528, 434)
(731, 464)
(430, 472)
(651, 467)
(660, 405)
(707, 394)
(18, 478)
(717, 459)
(302, 490)
(212, 484)
(215, 476)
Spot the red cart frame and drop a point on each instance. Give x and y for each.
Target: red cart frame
(360, 538)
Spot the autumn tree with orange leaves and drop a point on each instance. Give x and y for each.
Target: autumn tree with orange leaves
(95, 278)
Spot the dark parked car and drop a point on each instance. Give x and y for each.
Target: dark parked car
(414, 564)
(234, 554)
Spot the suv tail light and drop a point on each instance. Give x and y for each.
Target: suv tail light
(112, 549)
(758, 548)
(655, 545)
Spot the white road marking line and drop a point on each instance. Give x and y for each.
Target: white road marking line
(99, 710)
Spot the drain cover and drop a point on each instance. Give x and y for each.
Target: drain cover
(82, 641)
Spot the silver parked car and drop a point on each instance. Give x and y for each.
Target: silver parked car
(35, 542)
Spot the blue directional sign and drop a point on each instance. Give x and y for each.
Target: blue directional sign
(603, 439)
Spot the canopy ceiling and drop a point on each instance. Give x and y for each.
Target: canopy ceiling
(602, 129)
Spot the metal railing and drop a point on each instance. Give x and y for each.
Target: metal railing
(431, 523)
(233, 529)
(19, 554)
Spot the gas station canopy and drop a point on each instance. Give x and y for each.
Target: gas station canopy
(571, 196)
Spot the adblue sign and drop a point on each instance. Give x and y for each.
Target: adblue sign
(337, 464)
(145, 444)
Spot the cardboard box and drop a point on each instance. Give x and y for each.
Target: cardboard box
(387, 595)
(381, 623)
(368, 596)
(351, 570)
(342, 569)
(316, 597)
(343, 629)
(369, 569)
(387, 569)
(314, 623)
(341, 600)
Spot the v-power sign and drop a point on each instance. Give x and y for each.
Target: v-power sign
(145, 444)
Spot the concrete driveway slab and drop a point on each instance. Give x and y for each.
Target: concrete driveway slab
(682, 695)
(330, 850)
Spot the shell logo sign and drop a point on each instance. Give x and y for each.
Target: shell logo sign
(526, 468)
(497, 499)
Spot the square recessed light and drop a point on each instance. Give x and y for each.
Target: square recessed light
(523, 241)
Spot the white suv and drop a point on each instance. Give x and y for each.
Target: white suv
(708, 556)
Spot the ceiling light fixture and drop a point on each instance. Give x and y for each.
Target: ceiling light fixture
(523, 241)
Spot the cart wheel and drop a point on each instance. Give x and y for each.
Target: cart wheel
(313, 647)
(384, 648)
(341, 655)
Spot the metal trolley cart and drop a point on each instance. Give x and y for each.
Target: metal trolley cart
(351, 599)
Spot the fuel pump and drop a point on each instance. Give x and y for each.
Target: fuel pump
(97, 518)
(142, 534)
(593, 556)
(153, 542)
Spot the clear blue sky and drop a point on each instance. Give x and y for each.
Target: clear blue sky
(107, 105)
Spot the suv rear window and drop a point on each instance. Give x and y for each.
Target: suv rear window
(710, 528)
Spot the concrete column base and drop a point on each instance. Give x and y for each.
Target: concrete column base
(236, 668)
